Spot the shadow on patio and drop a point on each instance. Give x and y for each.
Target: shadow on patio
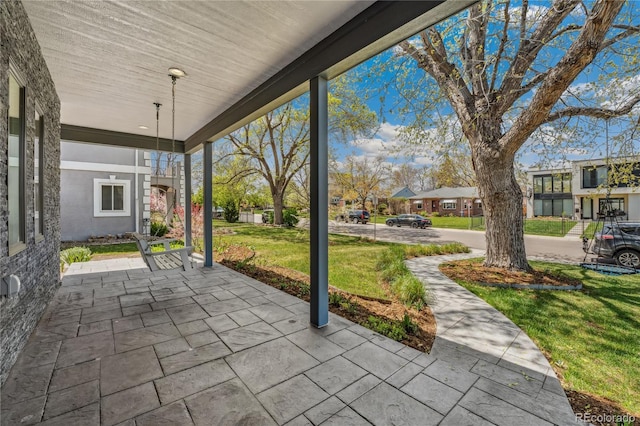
(213, 347)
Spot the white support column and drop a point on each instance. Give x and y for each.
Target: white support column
(319, 203)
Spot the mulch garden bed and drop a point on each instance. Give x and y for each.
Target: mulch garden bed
(474, 272)
(354, 308)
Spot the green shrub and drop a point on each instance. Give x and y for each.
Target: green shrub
(409, 290)
(389, 256)
(335, 299)
(159, 229)
(230, 211)
(409, 326)
(290, 217)
(74, 254)
(394, 269)
(392, 330)
(270, 217)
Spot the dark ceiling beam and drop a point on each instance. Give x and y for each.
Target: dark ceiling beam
(127, 140)
(380, 26)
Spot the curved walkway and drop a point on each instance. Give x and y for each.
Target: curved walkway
(508, 380)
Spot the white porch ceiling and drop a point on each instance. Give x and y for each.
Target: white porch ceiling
(109, 59)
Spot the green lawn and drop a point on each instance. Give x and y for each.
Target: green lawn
(549, 227)
(114, 248)
(351, 260)
(592, 335)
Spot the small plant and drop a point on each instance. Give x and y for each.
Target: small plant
(392, 330)
(409, 290)
(335, 299)
(290, 217)
(74, 254)
(407, 323)
(159, 229)
(230, 213)
(270, 217)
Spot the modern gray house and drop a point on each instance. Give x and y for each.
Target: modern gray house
(90, 72)
(106, 190)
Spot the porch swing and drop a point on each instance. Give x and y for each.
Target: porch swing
(608, 219)
(168, 258)
(175, 73)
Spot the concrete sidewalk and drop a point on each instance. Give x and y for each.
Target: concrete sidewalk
(514, 382)
(213, 347)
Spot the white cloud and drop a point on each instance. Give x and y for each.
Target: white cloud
(389, 132)
(534, 13)
(619, 91)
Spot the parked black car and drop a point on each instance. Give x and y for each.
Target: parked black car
(619, 241)
(354, 216)
(412, 220)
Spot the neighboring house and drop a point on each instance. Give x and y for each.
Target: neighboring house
(579, 191)
(398, 202)
(106, 190)
(402, 192)
(461, 201)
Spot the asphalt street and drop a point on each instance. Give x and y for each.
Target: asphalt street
(568, 249)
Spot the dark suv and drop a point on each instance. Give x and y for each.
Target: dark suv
(619, 241)
(354, 216)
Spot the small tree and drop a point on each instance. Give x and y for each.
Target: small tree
(197, 226)
(230, 211)
(362, 176)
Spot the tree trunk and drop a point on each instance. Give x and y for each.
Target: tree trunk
(502, 205)
(277, 207)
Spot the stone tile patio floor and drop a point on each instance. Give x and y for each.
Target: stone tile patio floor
(121, 345)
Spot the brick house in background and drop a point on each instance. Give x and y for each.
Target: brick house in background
(461, 201)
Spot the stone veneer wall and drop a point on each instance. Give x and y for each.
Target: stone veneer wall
(38, 265)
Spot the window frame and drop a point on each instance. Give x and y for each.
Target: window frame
(39, 231)
(98, 184)
(21, 244)
(455, 206)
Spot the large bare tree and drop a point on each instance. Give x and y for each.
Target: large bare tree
(361, 176)
(507, 70)
(275, 146)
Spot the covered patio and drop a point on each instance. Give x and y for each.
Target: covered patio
(122, 345)
(117, 344)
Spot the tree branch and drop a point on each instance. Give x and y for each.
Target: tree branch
(595, 112)
(529, 49)
(580, 54)
(445, 73)
(503, 43)
(618, 37)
